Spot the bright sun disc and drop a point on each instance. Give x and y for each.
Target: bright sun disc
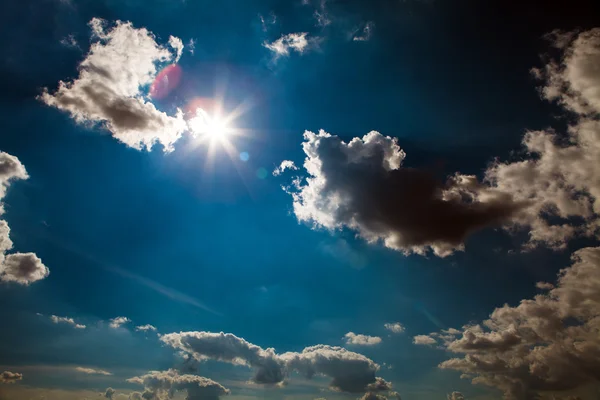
(211, 127)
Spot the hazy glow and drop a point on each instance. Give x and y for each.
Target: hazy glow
(209, 127)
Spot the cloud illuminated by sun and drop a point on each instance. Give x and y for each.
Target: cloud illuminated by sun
(211, 127)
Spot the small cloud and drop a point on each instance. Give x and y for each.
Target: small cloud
(265, 22)
(394, 327)
(177, 45)
(10, 377)
(298, 42)
(92, 371)
(361, 340)
(455, 396)
(69, 41)
(285, 164)
(424, 340)
(191, 46)
(544, 286)
(145, 328)
(116, 323)
(66, 320)
(365, 33)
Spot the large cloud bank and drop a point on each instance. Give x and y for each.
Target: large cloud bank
(108, 91)
(553, 191)
(349, 371)
(21, 268)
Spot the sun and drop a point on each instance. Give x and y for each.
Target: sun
(211, 127)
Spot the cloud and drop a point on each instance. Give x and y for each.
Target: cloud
(69, 41)
(108, 91)
(547, 343)
(23, 268)
(116, 323)
(424, 340)
(229, 348)
(365, 34)
(361, 340)
(110, 392)
(455, 396)
(395, 327)
(266, 22)
(10, 377)
(560, 175)
(145, 328)
(66, 320)
(92, 371)
(285, 164)
(298, 42)
(350, 372)
(158, 383)
(361, 185)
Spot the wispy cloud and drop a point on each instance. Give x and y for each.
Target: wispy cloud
(92, 371)
(66, 320)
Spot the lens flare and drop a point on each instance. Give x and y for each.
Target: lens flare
(166, 80)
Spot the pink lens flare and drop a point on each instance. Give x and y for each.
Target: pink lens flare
(166, 80)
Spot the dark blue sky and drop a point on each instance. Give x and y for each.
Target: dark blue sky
(170, 240)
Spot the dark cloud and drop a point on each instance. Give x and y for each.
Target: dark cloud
(361, 185)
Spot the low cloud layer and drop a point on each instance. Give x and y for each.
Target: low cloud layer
(349, 371)
(10, 377)
(21, 268)
(161, 383)
(108, 91)
(361, 340)
(547, 343)
(362, 186)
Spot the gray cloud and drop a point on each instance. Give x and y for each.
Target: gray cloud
(361, 185)
(455, 396)
(22, 268)
(159, 383)
(349, 371)
(10, 377)
(109, 393)
(548, 343)
(107, 91)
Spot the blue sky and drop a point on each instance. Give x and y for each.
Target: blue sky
(125, 202)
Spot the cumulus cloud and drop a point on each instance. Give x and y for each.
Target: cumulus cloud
(117, 322)
(361, 340)
(361, 185)
(455, 396)
(10, 377)
(108, 91)
(349, 371)
(298, 42)
(560, 175)
(160, 383)
(424, 340)
(22, 268)
(145, 328)
(109, 393)
(547, 343)
(285, 164)
(66, 320)
(92, 371)
(395, 327)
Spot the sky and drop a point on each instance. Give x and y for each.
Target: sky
(301, 199)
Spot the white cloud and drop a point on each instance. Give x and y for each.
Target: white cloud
(108, 91)
(548, 343)
(285, 165)
(361, 340)
(166, 383)
(394, 327)
(455, 396)
(349, 372)
(10, 377)
(424, 340)
(191, 46)
(145, 328)
(365, 34)
(116, 323)
(298, 42)
(92, 371)
(66, 320)
(22, 268)
(361, 185)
